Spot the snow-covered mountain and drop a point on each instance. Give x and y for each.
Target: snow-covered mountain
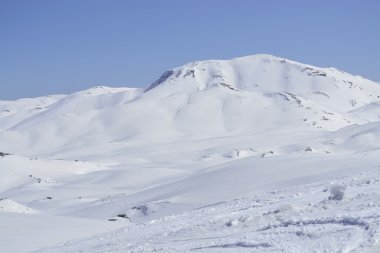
(202, 141)
(201, 99)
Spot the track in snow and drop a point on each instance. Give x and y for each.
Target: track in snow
(297, 219)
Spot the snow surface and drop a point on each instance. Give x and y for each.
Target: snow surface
(253, 154)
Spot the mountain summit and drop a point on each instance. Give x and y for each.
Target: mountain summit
(270, 74)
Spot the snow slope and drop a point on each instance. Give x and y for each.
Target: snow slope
(219, 155)
(305, 218)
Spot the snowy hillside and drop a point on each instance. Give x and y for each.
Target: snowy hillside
(257, 153)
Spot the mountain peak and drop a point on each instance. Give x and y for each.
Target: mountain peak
(189, 69)
(261, 72)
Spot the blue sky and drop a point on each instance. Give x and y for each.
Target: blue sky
(50, 47)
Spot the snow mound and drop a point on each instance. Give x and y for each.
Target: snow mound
(11, 206)
(370, 112)
(360, 138)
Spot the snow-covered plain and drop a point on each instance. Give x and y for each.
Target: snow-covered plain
(253, 154)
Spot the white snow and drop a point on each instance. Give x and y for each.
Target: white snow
(295, 219)
(11, 206)
(253, 154)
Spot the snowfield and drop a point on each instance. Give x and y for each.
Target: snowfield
(253, 154)
(305, 218)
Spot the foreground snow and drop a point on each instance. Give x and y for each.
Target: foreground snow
(305, 218)
(25, 233)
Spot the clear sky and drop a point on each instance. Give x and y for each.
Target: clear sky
(55, 47)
